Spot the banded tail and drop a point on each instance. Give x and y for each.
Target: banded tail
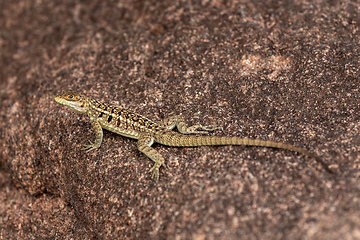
(175, 139)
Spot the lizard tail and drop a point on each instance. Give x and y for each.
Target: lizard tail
(178, 140)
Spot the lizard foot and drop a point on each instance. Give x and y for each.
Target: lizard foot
(89, 147)
(200, 129)
(155, 170)
(210, 127)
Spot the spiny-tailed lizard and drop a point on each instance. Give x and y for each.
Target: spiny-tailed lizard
(129, 124)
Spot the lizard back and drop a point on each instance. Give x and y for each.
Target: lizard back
(119, 120)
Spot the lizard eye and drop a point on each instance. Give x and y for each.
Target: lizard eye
(70, 96)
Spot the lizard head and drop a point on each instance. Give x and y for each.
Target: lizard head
(74, 101)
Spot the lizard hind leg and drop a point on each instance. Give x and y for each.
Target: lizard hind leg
(170, 122)
(179, 122)
(144, 145)
(184, 129)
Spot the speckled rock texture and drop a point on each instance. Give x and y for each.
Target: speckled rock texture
(286, 71)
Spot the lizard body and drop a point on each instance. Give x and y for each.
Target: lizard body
(129, 124)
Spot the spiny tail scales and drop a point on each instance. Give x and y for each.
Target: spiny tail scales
(175, 139)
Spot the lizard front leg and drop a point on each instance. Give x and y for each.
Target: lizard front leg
(99, 136)
(144, 145)
(181, 125)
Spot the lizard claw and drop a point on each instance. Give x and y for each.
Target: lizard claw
(156, 169)
(210, 127)
(89, 147)
(155, 175)
(200, 129)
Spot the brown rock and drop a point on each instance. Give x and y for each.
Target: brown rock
(273, 70)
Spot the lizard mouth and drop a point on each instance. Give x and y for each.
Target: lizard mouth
(58, 99)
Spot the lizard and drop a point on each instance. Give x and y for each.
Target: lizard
(116, 119)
